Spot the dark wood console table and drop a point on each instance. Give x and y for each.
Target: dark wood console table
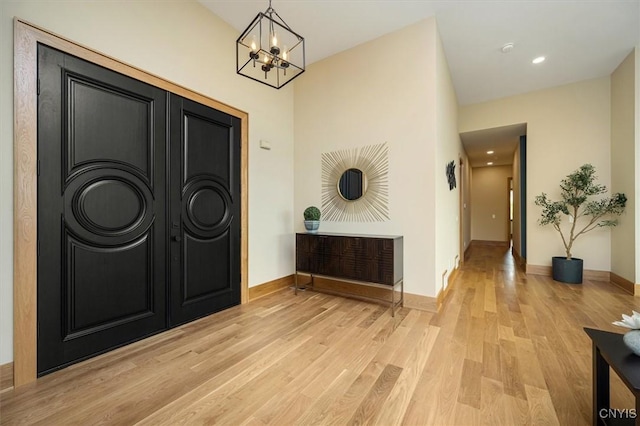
(610, 351)
(374, 260)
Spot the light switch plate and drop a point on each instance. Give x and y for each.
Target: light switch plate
(265, 144)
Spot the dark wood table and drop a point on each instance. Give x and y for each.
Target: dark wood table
(610, 351)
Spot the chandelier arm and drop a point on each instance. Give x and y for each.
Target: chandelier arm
(283, 21)
(295, 45)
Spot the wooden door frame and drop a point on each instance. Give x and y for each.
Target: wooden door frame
(461, 213)
(25, 180)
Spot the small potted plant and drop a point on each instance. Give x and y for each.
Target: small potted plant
(312, 219)
(584, 216)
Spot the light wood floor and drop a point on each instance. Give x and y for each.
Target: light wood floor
(506, 349)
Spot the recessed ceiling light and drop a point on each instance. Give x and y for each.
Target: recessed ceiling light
(539, 60)
(489, 152)
(507, 48)
(490, 163)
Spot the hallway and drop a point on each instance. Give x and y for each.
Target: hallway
(506, 349)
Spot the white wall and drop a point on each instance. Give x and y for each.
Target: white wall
(567, 126)
(490, 198)
(183, 42)
(623, 115)
(355, 99)
(448, 148)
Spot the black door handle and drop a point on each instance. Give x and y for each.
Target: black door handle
(177, 238)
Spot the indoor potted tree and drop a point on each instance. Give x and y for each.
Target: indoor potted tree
(584, 215)
(312, 219)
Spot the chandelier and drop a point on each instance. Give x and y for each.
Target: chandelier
(269, 51)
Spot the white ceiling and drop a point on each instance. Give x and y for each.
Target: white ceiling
(581, 39)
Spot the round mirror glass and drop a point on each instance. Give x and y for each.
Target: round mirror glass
(352, 184)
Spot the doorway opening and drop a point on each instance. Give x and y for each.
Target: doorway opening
(493, 216)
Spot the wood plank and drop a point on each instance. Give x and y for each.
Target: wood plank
(475, 341)
(344, 408)
(541, 407)
(491, 361)
(492, 407)
(370, 407)
(490, 298)
(531, 373)
(478, 307)
(399, 398)
(510, 369)
(319, 408)
(470, 383)
(427, 407)
(516, 410)
(466, 415)
(6, 377)
(491, 334)
(567, 411)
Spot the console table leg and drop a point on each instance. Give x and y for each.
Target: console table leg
(600, 386)
(393, 301)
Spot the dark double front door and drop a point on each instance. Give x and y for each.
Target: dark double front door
(138, 210)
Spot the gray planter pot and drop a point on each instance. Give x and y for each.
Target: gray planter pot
(567, 271)
(312, 226)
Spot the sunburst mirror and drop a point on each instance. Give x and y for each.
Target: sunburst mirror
(354, 184)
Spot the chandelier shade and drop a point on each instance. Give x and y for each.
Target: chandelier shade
(269, 52)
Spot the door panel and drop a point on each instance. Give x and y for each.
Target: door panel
(101, 209)
(205, 210)
(201, 276)
(106, 124)
(205, 140)
(99, 284)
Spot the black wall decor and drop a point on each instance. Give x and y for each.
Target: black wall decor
(451, 175)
